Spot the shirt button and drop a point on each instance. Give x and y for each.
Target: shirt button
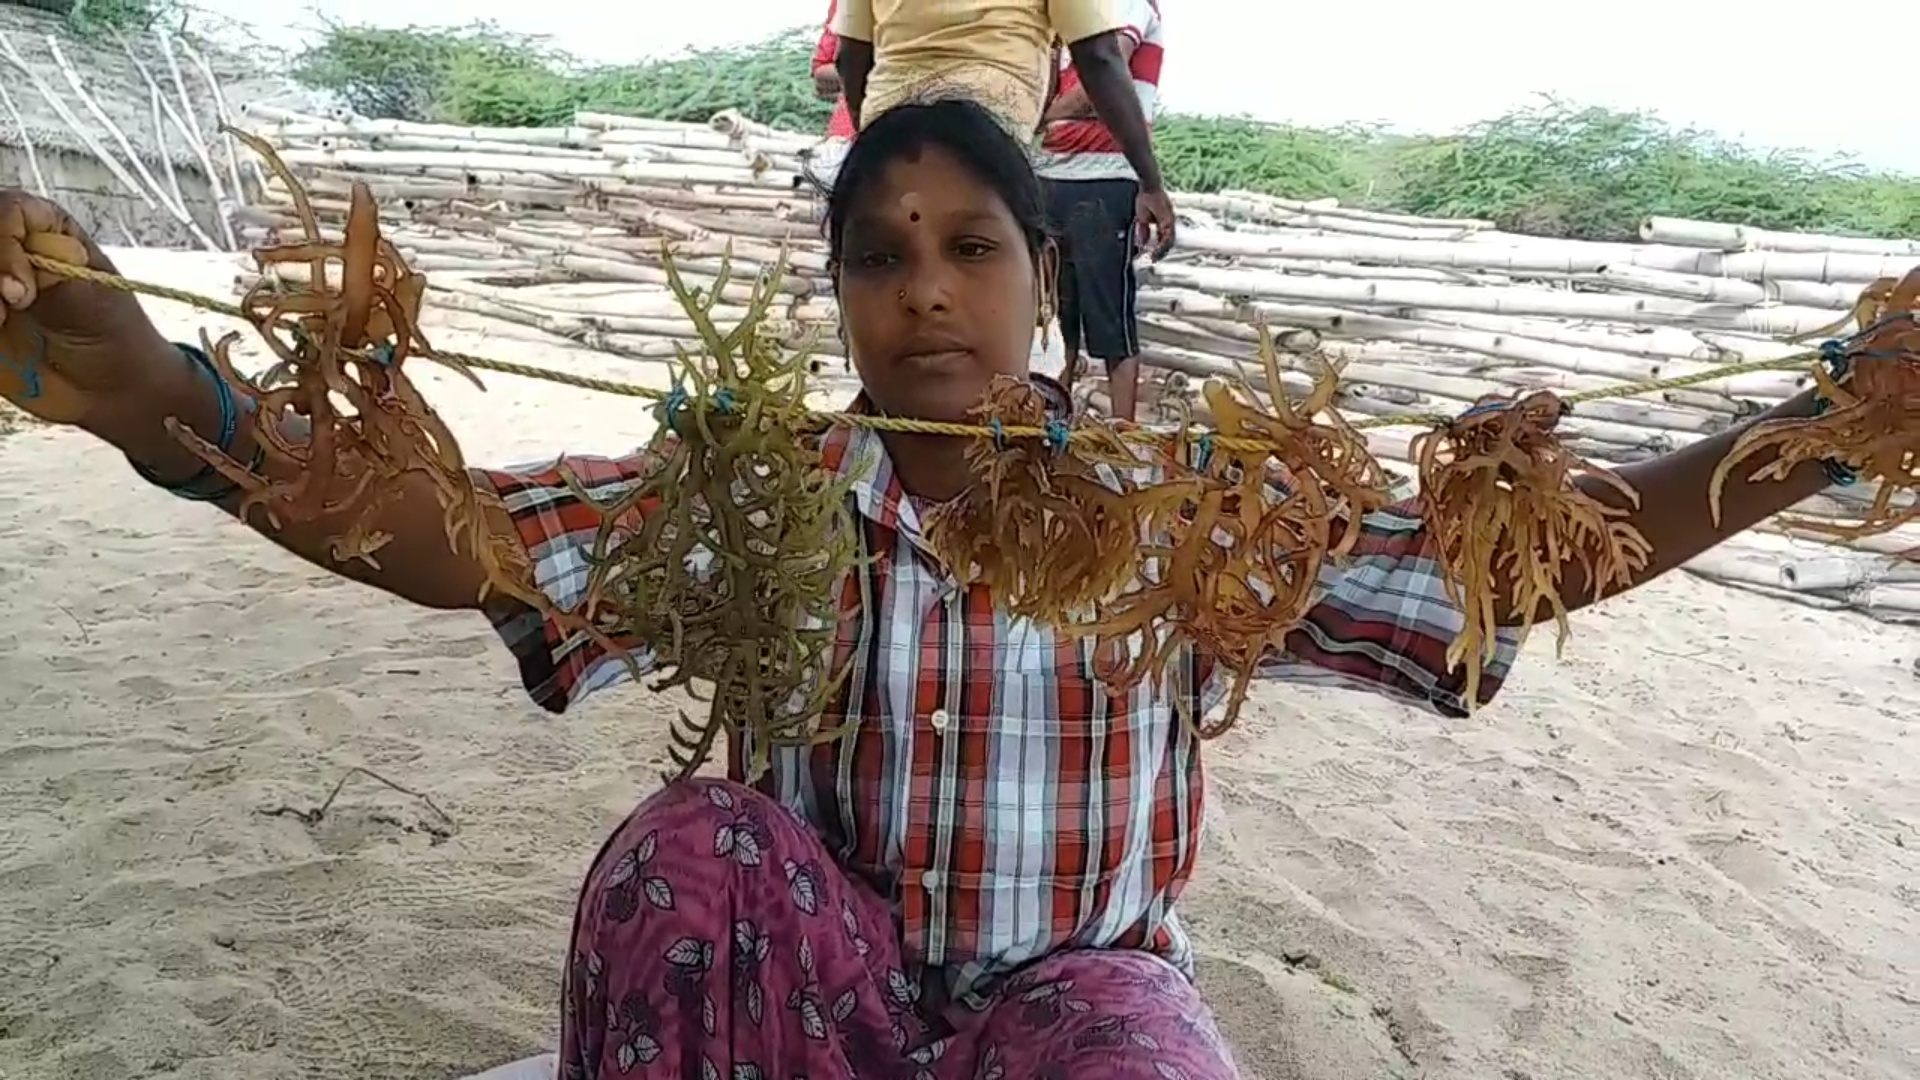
(930, 881)
(939, 719)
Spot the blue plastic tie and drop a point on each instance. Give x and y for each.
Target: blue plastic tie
(1834, 355)
(999, 433)
(383, 355)
(1058, 436)
(1839, 475)
(1204, 455)
(1484, 408)
(723, 401)
(30, 369)
(671, 405)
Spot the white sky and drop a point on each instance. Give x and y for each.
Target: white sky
(1417, 66)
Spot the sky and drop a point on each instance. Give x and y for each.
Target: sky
(1414, 66)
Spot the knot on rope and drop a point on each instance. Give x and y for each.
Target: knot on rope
(672, 405)
(1058, 435)
(1839, 362)
(999, 431)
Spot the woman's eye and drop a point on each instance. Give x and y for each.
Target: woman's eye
(874, 260)
(973, 249)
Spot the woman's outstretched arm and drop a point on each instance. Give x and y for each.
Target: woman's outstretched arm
(418, 564)
(1674, 514)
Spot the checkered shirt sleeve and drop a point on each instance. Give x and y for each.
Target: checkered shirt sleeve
(1383, 622)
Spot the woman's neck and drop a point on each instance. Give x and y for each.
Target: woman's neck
(932, 467)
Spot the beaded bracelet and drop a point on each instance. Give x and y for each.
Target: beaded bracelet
(207, 485)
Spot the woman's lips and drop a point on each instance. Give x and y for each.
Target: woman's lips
(937, 358)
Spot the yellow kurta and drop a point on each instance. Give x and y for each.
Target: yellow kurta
(997, 52)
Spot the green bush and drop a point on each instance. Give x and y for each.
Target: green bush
(481, 75)
(1556, 170)
(98, 18)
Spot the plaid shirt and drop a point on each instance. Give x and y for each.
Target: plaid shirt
(1007, 804)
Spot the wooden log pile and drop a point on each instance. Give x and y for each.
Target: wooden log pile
(561, 229)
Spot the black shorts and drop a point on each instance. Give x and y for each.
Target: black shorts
(1093, 222)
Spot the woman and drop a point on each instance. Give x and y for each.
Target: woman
(978, 883)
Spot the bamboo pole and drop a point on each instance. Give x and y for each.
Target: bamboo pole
(1554, 256)
(189, 129)
(178, 212)
(1497, 300)
(226, 119)
(1682, 232)
(73, 123)
(555, 232)
(26, 142)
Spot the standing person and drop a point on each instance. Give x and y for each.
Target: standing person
(823, 161)
(992, 857)
(826, 79)
(1001, 54)
(1091, 192)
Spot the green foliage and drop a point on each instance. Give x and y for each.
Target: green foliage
(1564, 171)
(480, 75)
(90, 18)
(1556, 169)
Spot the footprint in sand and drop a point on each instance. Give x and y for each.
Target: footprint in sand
(1301, 1025)
(148, 689)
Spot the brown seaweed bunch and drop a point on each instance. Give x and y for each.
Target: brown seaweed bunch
(728, 558)
(342, 350)
(1236, 541)
(1049, 525)
(1869, 424)
(1500, 497)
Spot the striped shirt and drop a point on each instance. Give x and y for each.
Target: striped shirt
(1005, 803)
(1084, 148)
(996, 52)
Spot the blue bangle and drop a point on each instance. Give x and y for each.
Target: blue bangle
(207, 485)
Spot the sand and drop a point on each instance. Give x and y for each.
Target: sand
(1689, 849)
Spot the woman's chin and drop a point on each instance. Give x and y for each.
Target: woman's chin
(943, 395)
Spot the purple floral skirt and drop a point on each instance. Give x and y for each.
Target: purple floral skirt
(717, 940)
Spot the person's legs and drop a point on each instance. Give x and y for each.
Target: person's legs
(1113, 1014)
(716, 937)
(1062, 196)
(1100, 228)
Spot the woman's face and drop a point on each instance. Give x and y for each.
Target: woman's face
(938, 292)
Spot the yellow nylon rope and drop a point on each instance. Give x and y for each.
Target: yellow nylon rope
(903, 424)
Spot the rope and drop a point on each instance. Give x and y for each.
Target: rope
(898, 423)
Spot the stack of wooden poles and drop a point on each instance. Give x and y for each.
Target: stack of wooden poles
(561, 230)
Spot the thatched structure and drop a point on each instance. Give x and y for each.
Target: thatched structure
(121, 129)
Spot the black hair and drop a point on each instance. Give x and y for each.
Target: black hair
(959, 126)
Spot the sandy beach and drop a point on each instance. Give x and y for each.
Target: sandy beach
(1688, 849)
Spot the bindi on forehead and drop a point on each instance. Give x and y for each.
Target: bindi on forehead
(910, 202)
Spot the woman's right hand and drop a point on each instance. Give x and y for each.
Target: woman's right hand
(73, 351)
(77, 352)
